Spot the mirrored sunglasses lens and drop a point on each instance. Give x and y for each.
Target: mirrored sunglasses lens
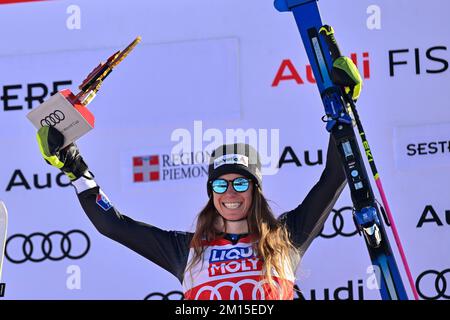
(241, 184)
(219, 186)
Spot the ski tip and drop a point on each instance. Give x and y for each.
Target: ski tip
(281, 5)
(3, 211)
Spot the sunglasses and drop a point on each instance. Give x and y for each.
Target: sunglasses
(239, 185)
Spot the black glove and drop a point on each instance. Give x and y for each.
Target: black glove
(67, 160)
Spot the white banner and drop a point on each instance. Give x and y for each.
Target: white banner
(231, 64)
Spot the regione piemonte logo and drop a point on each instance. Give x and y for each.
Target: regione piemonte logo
(146, 168)
(169, 167)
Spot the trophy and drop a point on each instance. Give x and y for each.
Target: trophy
(68, 112)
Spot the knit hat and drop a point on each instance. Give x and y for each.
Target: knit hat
(237, 158)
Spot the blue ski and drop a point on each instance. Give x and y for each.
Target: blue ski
(367, 215)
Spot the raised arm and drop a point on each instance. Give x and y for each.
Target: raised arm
(168, 249)
(305, 222)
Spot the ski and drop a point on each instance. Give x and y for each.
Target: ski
(322, 49)
(328, 33)
(3, 229)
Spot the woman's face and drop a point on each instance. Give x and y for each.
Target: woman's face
(233, 205)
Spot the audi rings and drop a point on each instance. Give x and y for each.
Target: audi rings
(440, 284)
(46, 248)
(53, 118)
(177, 295)
(338, 224)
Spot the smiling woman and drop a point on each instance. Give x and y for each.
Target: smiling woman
(232, 203)
(238, 211)
(239, 250)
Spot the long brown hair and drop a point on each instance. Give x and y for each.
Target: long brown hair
(273, 245)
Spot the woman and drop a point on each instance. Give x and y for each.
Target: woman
(237, 238)
(239, 250)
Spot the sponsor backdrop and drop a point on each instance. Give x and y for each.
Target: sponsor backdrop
(204, 67)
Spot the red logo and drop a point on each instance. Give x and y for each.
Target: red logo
(234, 266)
(16, 1)
(288, 72)
(146, 168)
(242, 288)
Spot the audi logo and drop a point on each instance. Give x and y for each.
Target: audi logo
(233, 290)
(53, 118)
(338, 224)
(172, 295)
(38, 246)
(439, 280)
